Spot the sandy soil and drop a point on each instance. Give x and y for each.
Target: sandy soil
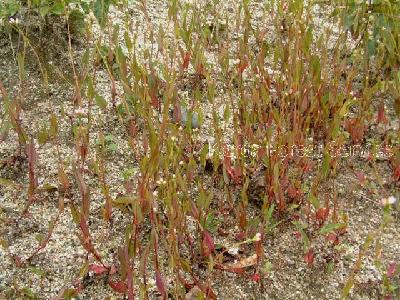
(56, 267)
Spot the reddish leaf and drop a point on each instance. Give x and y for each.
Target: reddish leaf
(113, 270)
(200, 69)
(85, 229)
(307, 167)
(235, 270)
(333, 237)
(131, 289)
(360, 176)
(97, 269)
(256, 70)
(234, 173)
(256, 277)
(195, 211)
(356, 129)
(381, 118)
(107, 213)
(309, 257)
(397, 173)
(261, 152)
(186, 284)
(155, 102)
(85, 239)
(322, 214)
(370, 157)
(186, 60)
(177, 113)
(241, 236)
(241, 216)
(243, 65)
(208, 243)
(18, 261)
(391, 270)
(297, 235)
(292, 192)
(161, 285)
(32, 156)
(132, 128)
(259, 248)
(118, 286)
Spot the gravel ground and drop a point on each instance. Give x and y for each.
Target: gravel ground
(56, 267)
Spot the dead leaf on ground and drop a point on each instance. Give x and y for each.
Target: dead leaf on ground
(244, 263)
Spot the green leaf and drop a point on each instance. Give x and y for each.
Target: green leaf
(90, 88)
(268, 212)
(372, 44)
(53, 126)
(29, 293)
(128, 173)
(9, 9)
(128, 41)
(4, 130)
(77, 21)
(69, 294)
(314, 201)
(112, 147)
(344, 109)
(4, 244)
(211, 223)
(101, 102)
(85, 58)
(308, 40)
(226, 113)
(75, 215)
(6, 182)
(267, 267)
(44, 10)
(49, 187)
(57, 8)
(40, 237)
(84, 269)
(300, 227)
(36, 271)
(21, 65)
(316, 68)
(331, 227)
(126, 200)
(85, 7)
(203, 155)
(43, 135)
(326, 164)
(346, 290)
(100, 10)
(389, 41)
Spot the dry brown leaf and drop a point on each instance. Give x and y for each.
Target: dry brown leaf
(244, 263)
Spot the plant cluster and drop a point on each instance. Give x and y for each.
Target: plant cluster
(75, 11)
(271, 87)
